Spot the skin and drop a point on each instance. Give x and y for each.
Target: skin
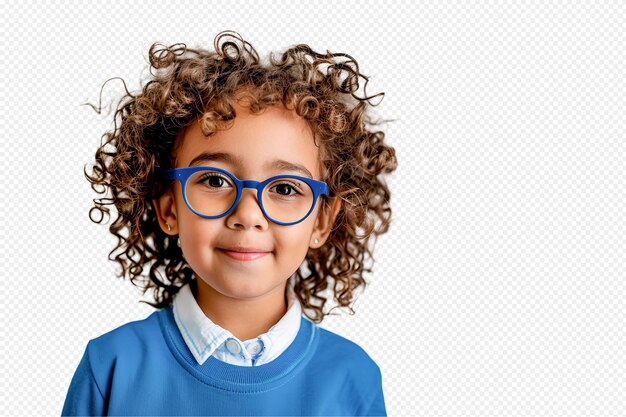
(246, 298)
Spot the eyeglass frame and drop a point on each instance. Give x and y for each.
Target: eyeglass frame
(182, 174)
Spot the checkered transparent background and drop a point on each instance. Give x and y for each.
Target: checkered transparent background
(499, 290)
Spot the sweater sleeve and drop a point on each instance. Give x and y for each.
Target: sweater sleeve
(377, 406)
(83, 396)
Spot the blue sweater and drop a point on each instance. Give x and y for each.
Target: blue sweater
(145, 368)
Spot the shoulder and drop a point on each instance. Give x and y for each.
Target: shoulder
(129, 335)
(341, 352)
(117, 354)
(125, 345)
(348, 372)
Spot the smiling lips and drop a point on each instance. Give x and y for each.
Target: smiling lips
(244, 254)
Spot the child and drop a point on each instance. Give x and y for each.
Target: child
(245, 190)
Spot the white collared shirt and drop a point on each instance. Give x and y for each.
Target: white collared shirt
(205, 338)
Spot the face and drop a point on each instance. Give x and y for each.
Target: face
(253, 143)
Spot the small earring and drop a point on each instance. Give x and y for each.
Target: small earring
(315, 241)
(169, 229)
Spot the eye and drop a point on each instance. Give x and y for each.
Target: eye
(285, 188)
(214, 180)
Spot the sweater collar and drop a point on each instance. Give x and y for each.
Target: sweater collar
(204, 338)
(242, 378)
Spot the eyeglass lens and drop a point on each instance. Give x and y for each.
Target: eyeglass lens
(213, 193)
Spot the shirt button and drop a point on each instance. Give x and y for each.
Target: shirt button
(255, 347)
(233, 346)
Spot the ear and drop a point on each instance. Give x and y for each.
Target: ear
(166, 212)
(324, 222)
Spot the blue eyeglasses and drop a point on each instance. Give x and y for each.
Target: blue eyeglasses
(213, 192)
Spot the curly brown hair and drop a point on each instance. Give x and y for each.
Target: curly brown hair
(190, 84)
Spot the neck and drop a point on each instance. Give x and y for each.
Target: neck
(244, 318)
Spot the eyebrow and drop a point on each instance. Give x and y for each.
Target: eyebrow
(279, 164)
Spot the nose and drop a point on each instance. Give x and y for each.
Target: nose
(247, 213)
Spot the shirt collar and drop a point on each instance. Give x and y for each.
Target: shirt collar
(205, 338)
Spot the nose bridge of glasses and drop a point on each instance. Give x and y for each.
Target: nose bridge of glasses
(252, 185)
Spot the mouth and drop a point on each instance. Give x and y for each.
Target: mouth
(244, 254)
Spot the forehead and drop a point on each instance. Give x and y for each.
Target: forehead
(254, 143)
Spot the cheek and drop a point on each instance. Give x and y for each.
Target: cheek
(289, 257)
(197, 235)
(294, 242)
